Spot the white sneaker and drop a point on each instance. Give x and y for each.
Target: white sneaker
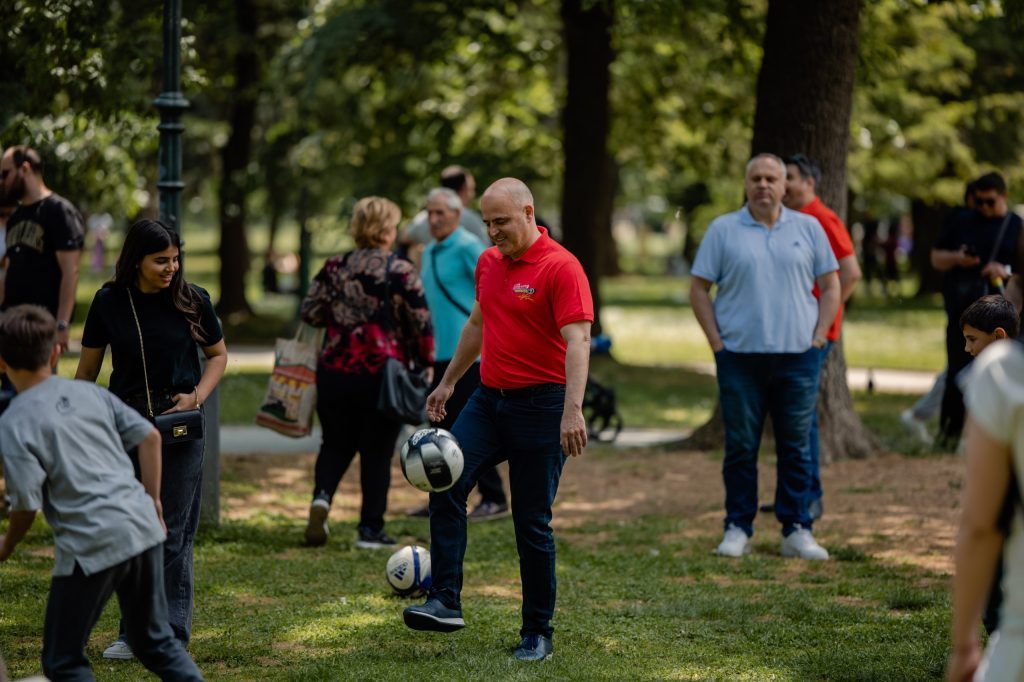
(316, 528)
(801, 544)
(735, 543)
(118, 651)
(915, 426)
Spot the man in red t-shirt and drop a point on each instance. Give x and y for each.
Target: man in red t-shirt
(530, 326)
(802, 178)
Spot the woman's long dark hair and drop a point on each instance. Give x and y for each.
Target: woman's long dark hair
(152, 236)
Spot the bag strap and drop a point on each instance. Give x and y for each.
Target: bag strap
(142, 348)
(433, 269)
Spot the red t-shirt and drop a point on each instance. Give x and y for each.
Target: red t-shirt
(842, 246)
(525, 302)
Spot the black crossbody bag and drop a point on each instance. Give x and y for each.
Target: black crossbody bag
(176, 427)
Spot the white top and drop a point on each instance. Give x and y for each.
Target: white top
(995, 398)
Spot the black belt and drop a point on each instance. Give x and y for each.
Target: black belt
(526, 391)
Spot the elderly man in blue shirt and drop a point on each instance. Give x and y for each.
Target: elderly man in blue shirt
(767, 332)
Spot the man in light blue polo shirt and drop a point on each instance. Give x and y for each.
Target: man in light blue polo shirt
(448, 268)
(766, 329)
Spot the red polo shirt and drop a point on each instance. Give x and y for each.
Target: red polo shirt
(525, 302)
(842, 246)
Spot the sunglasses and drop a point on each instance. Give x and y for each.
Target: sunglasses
(990, 202)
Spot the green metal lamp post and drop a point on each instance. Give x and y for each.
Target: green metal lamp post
(172, 103)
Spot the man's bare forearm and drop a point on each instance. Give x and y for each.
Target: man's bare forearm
(704, 311)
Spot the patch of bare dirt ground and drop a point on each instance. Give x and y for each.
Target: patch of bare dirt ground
(895, 508)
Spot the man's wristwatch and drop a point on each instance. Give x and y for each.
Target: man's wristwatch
(62, 325)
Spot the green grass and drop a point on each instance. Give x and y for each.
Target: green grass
(651, 323)
(637, 600)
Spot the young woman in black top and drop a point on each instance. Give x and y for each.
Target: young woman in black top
(176, 320)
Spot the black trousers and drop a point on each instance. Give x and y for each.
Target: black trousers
(76, 602)
(347, 407)
(953, 414)
(489, 483)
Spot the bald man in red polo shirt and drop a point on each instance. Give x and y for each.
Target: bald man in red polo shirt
(530, 327)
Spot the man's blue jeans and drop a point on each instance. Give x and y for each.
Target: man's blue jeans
(523, 429)
(816, 491)
(752, 386)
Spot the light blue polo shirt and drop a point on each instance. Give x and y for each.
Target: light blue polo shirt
(764, 277)
(453, 261)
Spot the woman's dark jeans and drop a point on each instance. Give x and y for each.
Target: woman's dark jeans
(180, 494)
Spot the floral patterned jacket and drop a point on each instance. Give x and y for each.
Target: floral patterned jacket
(348, 298)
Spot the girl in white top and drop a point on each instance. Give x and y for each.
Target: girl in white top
(995, 453)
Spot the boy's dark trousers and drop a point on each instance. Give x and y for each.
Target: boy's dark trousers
(76, 602)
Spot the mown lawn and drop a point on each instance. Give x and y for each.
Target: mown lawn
(637, 600)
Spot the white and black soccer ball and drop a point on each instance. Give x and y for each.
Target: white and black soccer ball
(408, 570)
(432, 460)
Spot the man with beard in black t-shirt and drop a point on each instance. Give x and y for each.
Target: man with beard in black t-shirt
(44, 241)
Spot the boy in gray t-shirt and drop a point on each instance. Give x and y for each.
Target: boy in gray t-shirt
(64, 445)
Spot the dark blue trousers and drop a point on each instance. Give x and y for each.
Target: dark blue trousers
(76, 602)
(816, 491)
(751, 387)
(523, 429)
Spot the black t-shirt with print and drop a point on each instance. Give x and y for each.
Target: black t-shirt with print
(35, 233)
(172, 359)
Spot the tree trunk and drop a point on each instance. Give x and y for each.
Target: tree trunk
(588, 186)
(928, 221)
(804, 96)
(235, 157)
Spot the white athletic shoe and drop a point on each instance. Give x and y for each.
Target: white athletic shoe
(915, 426)
(316, 528)
(801, 544)
(735, 543)
(118, 651)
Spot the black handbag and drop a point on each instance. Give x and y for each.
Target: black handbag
(175, 427)
(403, 393)
(403, 387)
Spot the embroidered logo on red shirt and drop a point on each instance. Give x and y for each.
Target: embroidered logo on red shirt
(524, 292)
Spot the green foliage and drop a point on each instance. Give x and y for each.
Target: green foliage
(938, 101)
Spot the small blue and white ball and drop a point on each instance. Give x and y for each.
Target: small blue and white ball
(408, 570)
(432, 460)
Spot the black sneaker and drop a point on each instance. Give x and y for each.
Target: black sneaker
(369, 539)
(435, 617)
(534, 648)
(488, 511)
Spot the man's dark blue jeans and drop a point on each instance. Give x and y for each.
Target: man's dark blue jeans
(816, 491)
(522, 427)
(752, 386)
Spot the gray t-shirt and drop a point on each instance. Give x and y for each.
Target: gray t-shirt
(64, 446)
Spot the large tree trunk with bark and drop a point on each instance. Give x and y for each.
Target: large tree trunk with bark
(804, 96)
(588, 187)
(235, 158)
